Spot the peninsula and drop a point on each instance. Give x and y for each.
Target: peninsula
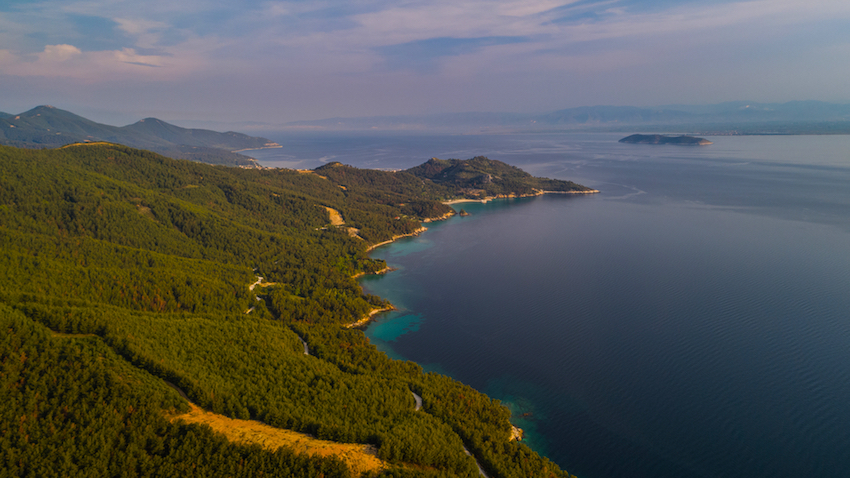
(665, 139)
(125, 282)
(481, 178)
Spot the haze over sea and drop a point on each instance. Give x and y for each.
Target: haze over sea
(691, 320)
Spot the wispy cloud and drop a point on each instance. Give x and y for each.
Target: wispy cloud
(135, 26)
(58, 53)
(695, 18)
(443, 19)
(422, 55)
(68, 61)
(560, 48)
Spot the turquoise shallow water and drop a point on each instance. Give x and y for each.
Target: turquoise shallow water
(693, 319)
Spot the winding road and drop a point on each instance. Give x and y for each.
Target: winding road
(480, 470)
(306, 349)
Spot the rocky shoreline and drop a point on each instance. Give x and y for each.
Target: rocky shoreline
(439, 218)
(395, 238)
(511, 196)
(271, 145)
(366, 320)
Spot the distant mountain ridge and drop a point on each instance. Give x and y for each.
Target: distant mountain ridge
(794, 117)
(48, 127)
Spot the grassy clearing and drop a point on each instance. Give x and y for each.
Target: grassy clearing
(359, 458)
(336, 217)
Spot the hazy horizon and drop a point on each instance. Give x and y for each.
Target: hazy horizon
(275, 62)
(725, 116)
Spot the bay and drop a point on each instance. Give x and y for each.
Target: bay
(692, 319)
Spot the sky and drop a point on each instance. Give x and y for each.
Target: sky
(117, 61)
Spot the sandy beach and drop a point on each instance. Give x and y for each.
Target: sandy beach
(414, 233)
(365, 320)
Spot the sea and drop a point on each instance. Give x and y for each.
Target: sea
(692, 319)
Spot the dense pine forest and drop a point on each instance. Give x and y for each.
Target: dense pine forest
(131, 282)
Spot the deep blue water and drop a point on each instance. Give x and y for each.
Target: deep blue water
(692, 319)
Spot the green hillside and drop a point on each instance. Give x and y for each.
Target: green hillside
(483, 177)
(444, 180)
(49, 127)
(123, 271)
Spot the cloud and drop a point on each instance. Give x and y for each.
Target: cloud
(420, 54)
(356, 51)
(53, 53)
(68, 61)
(138, 26)
(442, 19)
(129, 55)
(7, 57)
(422, 35)
(695, 18)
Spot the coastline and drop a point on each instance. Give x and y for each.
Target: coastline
(395, 238)
(439, 218)
(517, 434)
(268, 146)
(362, 323)
(510, 196)
(376, 273)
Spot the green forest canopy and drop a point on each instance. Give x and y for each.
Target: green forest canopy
(122, 270)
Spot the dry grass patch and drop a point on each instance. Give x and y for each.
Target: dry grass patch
(336, 217)
(359, 458)
(310, 171)
(88, 143)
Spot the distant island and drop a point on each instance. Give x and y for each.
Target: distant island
(665, 139)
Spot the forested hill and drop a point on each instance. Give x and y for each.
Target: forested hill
(49, 127)
(483, 177)
(448, 179)
(123, 271)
